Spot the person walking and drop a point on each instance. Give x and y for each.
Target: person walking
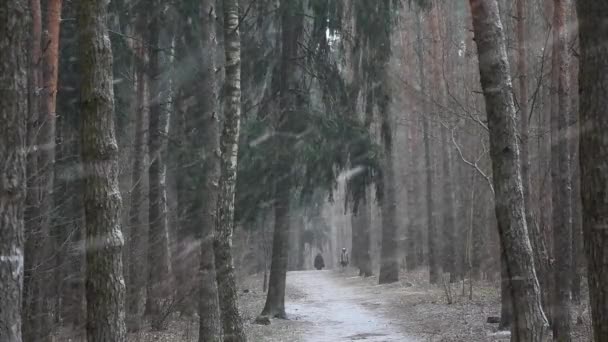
(319, 263)
(344, 259)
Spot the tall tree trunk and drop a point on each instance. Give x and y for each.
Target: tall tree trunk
(186, 258)
(275, 300)
(560, 176)
(136, 289)
(361, 225)
(430, 218)
(365, 262)
(33, 241)
(68, 184)
(413, 204)
(529, 321)
(448, 257)
(46, 167)
(291, 29)
(227, 292)
(14, 26)
(593, 122)
(361, 245)
(159, 264)
(506, 300)
(105, 287)
(389, 263)
(537, 239)
(207, 141)
(577, 219)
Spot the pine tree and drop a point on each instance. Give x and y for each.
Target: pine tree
(105, 286)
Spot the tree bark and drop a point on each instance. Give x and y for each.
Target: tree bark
(159, 264)
(69, 216)
(448, 255)
(275, 300)
(207, 141)
(105, 287)
(33, 241)
(529, 321)
(291, 29)
(413, 204)
(361, 224)
(593, 123)
(14, 25)
(506, 300)
(537, 239)
(389, 264)
(136, 289)
(560, 176)
(227, 291)
(433, 259)
(45, 171)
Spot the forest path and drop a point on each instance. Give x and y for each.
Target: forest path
(339, 310)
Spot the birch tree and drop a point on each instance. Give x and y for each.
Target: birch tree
(227, 292)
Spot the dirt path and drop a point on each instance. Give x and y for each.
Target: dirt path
(338, 311)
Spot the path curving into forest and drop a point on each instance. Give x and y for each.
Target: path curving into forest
(337, 311)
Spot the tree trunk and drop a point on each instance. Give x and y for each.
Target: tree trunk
(136, 289)
(14, 25)
(389, 263)
(69, 216)
(430, 218)
(33, 241)
(186, 258)
(275, 300)
(105, 287)
(227, 291)
(537, 239)
(361, 225)
(208, 142)
(413, 204)
(593, 122)
(46, 169)
(529, 321)
(560, 176)
(449, 260)
(365, 261)
(506, 300)
(291, 29)
(577, 219)
(448, 255)
(159, 264)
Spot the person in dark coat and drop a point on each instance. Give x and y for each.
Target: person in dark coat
(319, 263)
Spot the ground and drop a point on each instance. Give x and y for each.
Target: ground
(340, 306)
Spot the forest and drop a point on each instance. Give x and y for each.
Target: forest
(303, 170)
